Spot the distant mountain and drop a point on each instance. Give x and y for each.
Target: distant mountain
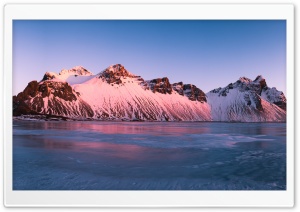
(117, 94)
(247, 101)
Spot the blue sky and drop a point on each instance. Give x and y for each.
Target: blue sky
(206, 53)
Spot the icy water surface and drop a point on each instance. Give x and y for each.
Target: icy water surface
(58, 155)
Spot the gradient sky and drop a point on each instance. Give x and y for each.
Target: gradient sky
(209, 54)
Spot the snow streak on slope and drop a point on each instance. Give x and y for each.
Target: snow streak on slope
(117, 94)
(129, 100)
(240, 101)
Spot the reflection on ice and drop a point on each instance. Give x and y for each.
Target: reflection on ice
(148, 155)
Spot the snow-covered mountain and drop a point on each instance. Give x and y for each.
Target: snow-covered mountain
(113, 94)
(117, 94)
(247, 101)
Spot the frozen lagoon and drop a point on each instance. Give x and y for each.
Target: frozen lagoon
(96, 155)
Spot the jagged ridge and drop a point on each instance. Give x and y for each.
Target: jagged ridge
(246, 100)
(117, 94)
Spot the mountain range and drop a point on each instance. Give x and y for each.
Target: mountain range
(117, 94)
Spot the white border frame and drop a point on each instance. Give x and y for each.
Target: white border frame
(147, 198)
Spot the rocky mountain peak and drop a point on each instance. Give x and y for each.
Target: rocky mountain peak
(190, 90)
(36, 92)
(160, 85)
(117, 70)
(259, 78)
(114, 73)
(245, 80)
(49, 76)
(243, 84)
(261, 81)
(77, 70)
(254, 90)
(68, 95)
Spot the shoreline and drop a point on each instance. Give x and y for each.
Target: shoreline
(62, 118)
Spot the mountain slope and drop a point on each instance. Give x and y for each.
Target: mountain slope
(50, 97)
(117, 94)
(247, 101)
(113, 94)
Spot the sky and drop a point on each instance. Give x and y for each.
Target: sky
(206, 53)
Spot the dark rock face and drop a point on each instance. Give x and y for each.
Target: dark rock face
(194, 93)
(114, 73)
(178, 87)
(217, 90)
(262, 83)
(161, 85)
(21, 108)
(272, 94)
(275, 96)
(58, 89)
(30, 101)
(281, 104)
(191, 91)
(48, 76)
(31, 90)
(250, 97)
(19, 105)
